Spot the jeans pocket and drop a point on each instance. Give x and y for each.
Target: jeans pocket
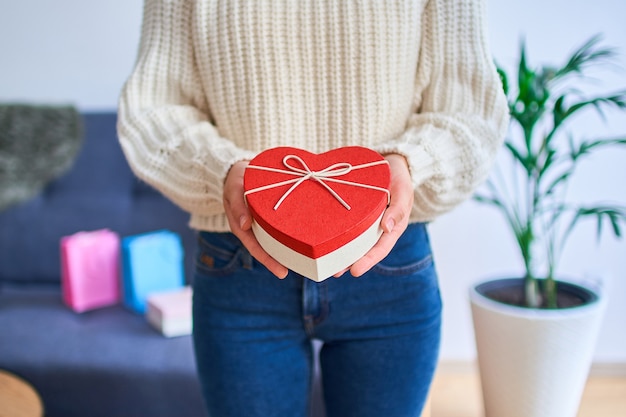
(410, 268)
(411, 254)
(213, 259)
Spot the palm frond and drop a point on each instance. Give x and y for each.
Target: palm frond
(587, 54)
(586, 146)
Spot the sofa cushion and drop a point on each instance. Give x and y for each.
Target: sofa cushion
(99, 191)
(108, 361)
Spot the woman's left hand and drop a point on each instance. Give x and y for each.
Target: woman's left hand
(396, 217)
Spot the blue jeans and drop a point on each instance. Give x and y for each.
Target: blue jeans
(380, 333)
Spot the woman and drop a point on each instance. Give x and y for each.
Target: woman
(218, 81)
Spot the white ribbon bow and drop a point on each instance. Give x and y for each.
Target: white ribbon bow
(323, 176)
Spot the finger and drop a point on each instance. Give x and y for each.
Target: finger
(340, 273)
(245, 220)
(238, 214)
(243, 230)
(256, 250)
(396, 215)
(234, 202)
(376, 254)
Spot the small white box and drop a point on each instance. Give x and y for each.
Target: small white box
(170, 312)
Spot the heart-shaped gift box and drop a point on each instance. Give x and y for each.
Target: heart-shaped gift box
(317, 213)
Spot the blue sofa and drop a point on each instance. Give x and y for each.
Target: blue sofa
(107, 362)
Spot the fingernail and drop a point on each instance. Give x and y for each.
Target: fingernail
(389, 225)
(242, 221)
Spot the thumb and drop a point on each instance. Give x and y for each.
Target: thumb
(388, 223)
(234, 200)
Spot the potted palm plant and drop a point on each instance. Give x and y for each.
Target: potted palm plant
(535, 334)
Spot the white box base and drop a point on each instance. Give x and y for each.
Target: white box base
(326, 266)
(170, 312)
(170, 328)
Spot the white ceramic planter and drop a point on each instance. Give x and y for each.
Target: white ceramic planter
(533, 363)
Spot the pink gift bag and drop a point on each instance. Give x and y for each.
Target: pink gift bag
(90, 263)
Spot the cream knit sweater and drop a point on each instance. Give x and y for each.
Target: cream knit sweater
(217, 81)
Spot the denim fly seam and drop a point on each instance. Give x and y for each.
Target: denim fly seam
(315, 307)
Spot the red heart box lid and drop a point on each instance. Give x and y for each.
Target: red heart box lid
(308, 217)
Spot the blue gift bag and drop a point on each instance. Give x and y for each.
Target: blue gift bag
(151, 262)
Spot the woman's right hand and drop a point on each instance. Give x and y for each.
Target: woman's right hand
(240, 220)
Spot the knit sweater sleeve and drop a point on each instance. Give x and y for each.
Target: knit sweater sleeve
(164, 124)
(460, 112)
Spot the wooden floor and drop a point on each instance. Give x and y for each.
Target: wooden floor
(459, 395)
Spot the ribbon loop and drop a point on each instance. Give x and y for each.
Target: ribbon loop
(335, 170)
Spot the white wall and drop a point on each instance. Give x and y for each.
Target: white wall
(80, 52)
(67, 51)
(471, 242)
